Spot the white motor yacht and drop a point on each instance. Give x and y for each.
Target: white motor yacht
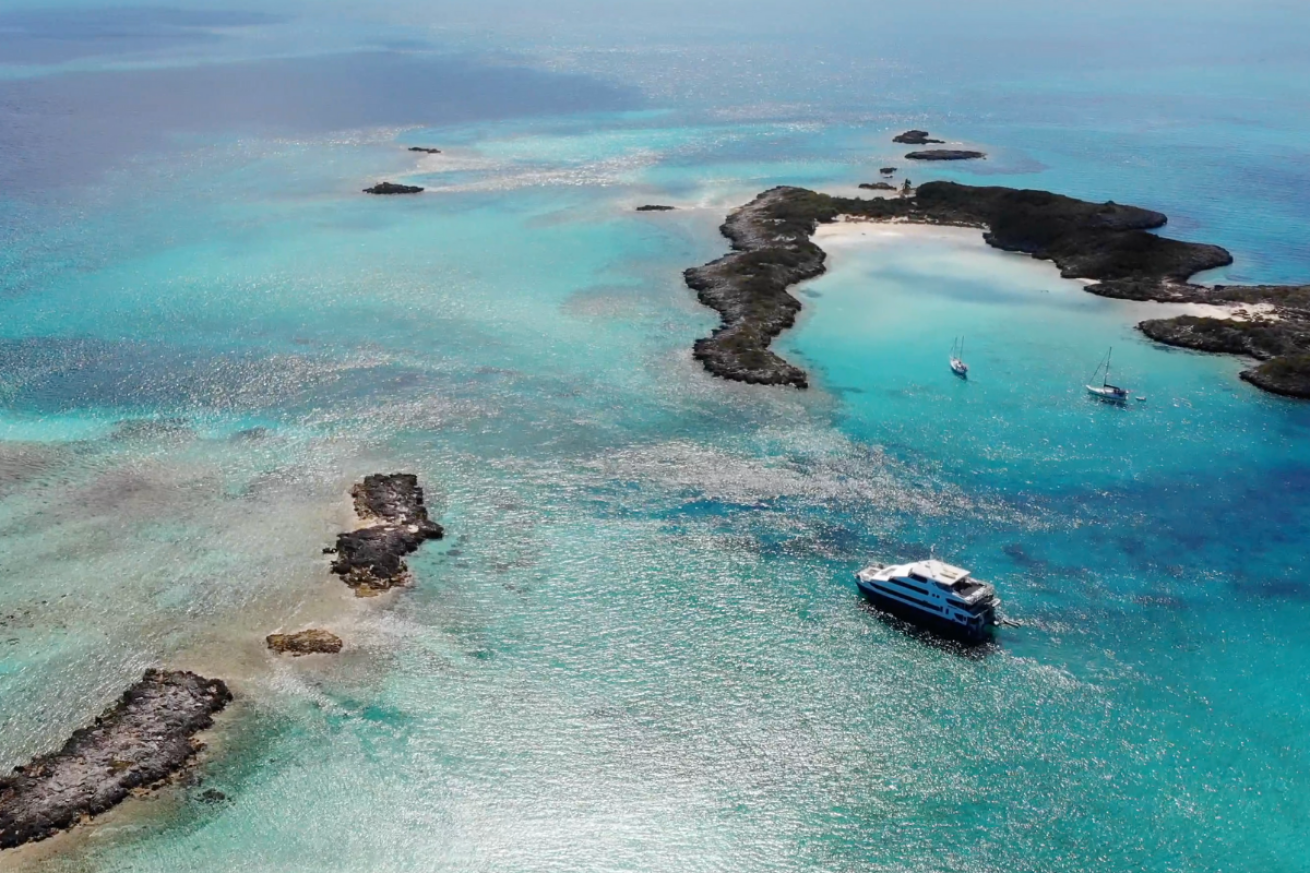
(934, 594)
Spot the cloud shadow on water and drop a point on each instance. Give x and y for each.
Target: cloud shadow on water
(69, 128)
(52, 36)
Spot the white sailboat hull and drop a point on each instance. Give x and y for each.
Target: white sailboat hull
(1114, 395)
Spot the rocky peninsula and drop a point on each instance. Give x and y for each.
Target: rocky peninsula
(146, 737)
(394, 523)
(393, 188)
(1108, 243)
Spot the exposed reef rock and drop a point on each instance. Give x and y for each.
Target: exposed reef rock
(306, 642)
(888, 171)
(1106, 242)
(393, 188)
(149, 735)
(655, 207)
(371, 559)
(425, 150)
(878, 186)
(945, 155)
(915, 137)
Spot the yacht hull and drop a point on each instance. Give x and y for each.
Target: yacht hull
(926, 620)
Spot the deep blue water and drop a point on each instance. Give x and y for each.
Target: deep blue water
(639, 648)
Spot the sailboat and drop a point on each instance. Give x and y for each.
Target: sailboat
(958, 366)
(1106, 391)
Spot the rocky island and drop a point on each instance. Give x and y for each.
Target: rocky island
(655, 207)
(393, 188)
(148, 736)
(945, 155)
(371, 559)
(425, 150)
(915, 137)
(1109, 243)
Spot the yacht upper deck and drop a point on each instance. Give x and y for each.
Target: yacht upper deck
(953, 578)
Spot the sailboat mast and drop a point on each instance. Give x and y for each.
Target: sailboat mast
(1107, 367)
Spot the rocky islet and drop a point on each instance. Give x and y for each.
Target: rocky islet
(371, 558)
(146, 737)
(946, 155)
(387, 188)
(915, 137)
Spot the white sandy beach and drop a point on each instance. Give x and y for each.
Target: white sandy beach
(847, 235)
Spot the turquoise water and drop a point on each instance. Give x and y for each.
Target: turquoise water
(639, 647)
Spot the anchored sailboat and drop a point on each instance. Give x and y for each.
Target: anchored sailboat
(1106, 391)
(958, 366)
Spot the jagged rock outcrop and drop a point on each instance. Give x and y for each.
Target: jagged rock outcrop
(146, 737)
(655, 207)
(371, 559)
(425, 150)
(306, 642)
(393, 188)
(915, 137)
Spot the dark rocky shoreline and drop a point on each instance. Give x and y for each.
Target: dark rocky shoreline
(1106, 242)
(371, 559)
(1282, 347)
(145, 738)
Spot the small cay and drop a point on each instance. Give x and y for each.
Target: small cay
(945, 155)
(371, 559)
(148, 736)
(393, 188)
(1106, 242)
(915, 137)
